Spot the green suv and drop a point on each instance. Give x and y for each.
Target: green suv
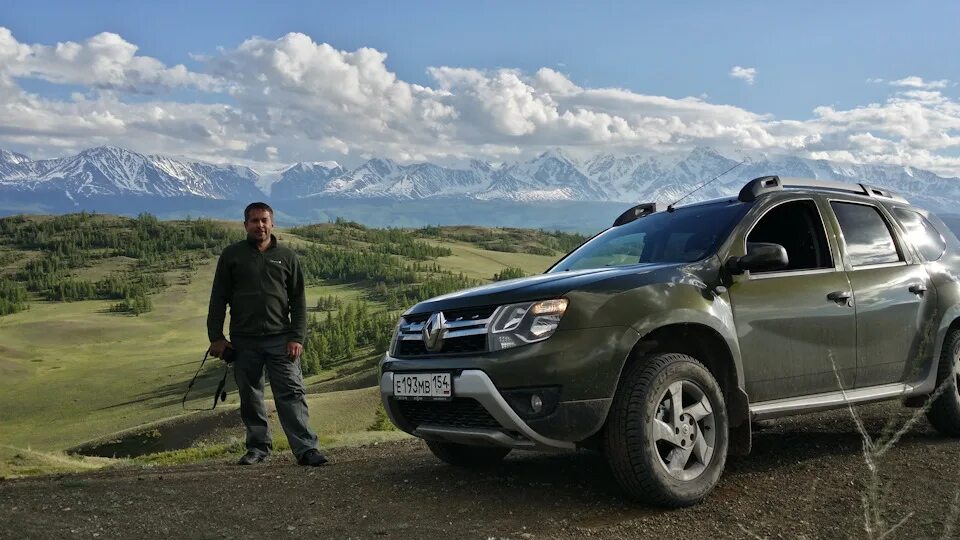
(660, 339)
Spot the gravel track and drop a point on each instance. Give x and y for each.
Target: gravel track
(804, 479)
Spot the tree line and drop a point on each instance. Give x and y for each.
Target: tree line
(390, 280)
(403, 296)
(509, 273)
(13, 297)
(405, 242)
(351, 266)
(340, 336)
(76, 241)
(97, 235)
(508, 240)
(388, 241)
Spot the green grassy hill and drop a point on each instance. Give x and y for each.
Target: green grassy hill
(81, 374)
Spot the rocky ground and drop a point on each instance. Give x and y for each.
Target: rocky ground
(805, 479)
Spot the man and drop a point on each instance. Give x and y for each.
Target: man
(263, 284)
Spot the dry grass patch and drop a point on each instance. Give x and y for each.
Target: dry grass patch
(16, 462)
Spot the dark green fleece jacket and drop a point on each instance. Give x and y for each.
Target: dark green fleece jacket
(265, 292)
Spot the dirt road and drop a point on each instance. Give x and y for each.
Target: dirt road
(803, 480)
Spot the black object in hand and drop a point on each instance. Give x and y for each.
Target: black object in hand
(228, 355)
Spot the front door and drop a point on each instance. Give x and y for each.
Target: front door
(796, 326)
(892, 294)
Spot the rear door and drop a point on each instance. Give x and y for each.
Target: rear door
(892, 293)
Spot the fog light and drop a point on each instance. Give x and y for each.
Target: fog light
(536, 403)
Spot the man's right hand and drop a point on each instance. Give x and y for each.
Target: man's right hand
(217, 347)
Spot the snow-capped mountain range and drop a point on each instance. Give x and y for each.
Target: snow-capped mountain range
(109, 172)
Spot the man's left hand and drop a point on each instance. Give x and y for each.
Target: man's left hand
(294, 350)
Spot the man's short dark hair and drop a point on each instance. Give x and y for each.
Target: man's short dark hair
(256, 206)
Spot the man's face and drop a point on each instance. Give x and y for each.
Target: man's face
(259, 225)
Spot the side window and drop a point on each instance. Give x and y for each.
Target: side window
(798, 228)
(866, 234)
(921, 233)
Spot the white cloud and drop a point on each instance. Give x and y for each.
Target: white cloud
(555, 82)
(918, 82)
(105, 61)
(748, 75)
(292, 98)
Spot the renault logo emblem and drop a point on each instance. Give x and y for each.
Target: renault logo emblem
(433, 332)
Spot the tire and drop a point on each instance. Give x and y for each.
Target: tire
(471, 457)
(658, 457)
(944, 412)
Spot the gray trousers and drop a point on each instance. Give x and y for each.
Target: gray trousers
(286, 381)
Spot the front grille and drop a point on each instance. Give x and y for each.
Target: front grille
(464, 332)
(469, 314)
(458, 413)
(454, 315)
(461, 345)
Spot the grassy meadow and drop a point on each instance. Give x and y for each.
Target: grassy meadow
(76, 372)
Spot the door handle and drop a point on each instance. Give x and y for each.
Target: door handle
(918, 288)
(840, 297)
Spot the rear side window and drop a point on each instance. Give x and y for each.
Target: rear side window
(866, 234)
(921, 233)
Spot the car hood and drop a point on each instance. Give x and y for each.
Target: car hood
(531, 288)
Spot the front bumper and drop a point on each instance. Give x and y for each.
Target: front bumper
(582, 366)
(476, 385)
(585, 363)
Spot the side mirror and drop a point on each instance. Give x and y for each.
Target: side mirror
(760, 257)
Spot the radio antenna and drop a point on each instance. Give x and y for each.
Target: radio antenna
(703, 185)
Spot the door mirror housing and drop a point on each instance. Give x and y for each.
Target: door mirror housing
(760, 257)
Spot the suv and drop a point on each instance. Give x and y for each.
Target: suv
(660, 339)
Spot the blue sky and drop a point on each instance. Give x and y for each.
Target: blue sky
(839, 55)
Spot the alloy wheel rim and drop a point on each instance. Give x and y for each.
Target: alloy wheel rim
(684, 430)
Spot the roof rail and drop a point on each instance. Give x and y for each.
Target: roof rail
(769, 184)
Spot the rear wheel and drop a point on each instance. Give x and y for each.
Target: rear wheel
(666, 437)
(944, 412)
(462, 455)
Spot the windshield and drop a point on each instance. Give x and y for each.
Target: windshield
(685, 235)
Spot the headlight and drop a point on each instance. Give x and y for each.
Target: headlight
(529, 322)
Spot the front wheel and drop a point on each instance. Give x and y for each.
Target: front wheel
(462, 455)
(666, 436)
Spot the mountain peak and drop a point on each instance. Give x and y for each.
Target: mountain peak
(380, 166)
(480, 165)
(555, 153)
(304, 166)
(384, 161)
(703, 152)
(12, 158)
(107, 150)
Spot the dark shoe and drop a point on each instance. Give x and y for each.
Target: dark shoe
(251, 458)
(311, 458)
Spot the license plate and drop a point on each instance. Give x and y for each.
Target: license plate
(424, 386)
